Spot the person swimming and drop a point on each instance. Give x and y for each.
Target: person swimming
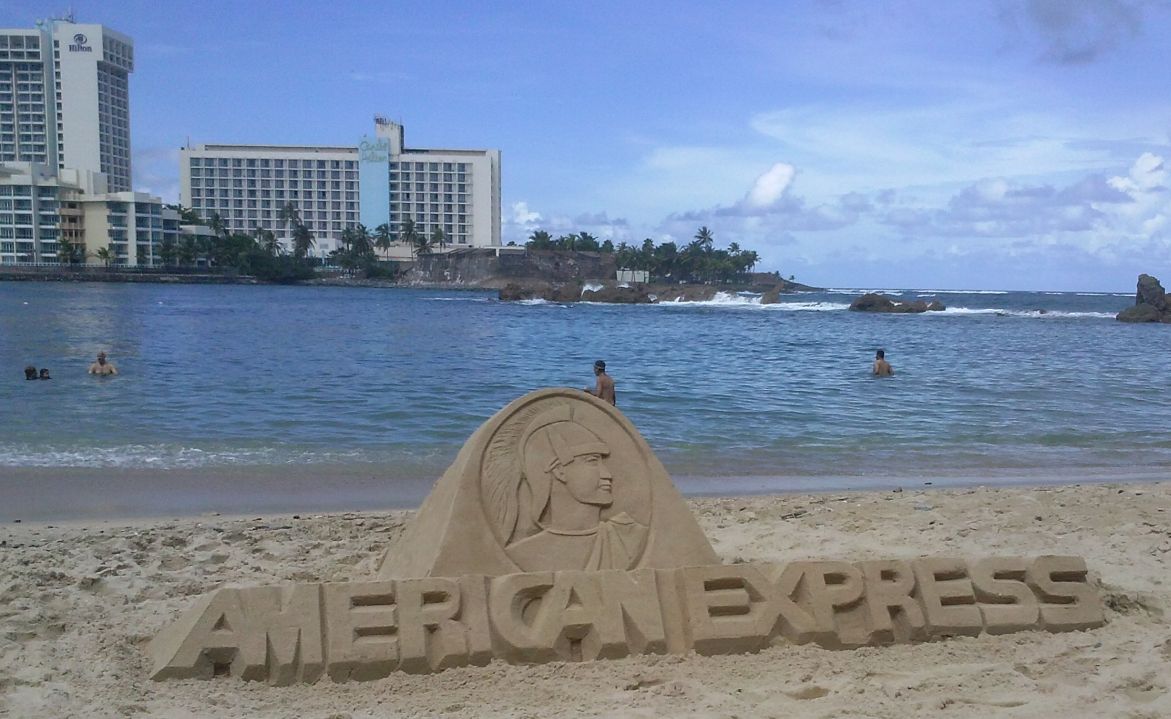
(30, 372)
(102, 367)
(45, 373)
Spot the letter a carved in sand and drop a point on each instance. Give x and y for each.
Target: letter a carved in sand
(557, 480)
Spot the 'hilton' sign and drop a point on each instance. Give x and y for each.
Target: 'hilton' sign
(80, 44)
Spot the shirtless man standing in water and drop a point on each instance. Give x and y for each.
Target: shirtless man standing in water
(102, 367)
(605, 388)
(882, 368)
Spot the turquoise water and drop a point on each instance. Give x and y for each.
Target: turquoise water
(321, 379)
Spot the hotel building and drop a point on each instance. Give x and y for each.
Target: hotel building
(65, 98)
(41, 205)
(378, 182)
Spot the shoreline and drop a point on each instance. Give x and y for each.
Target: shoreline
(136, 494)
(80, 602)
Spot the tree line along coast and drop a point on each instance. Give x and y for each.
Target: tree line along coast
(364, 253)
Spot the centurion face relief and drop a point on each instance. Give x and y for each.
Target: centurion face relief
(556, 535)
(560, 496)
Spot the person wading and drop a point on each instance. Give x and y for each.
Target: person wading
(605, 387)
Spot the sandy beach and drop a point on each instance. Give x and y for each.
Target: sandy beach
(78, 602)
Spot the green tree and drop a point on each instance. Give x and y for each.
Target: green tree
(168, 252)
(704, 239)
(410, 234)
(267, 241)
(540, 240)
(69, 252)
(586, 242)
(291, 216)
(303, 241)
(438, 239)
(105, 254)
(383, 237)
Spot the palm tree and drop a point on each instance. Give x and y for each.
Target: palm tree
(302, 241)
(216, 223)
(383, 237)
(106, 255)
(291, 216)
(540, 240)
(69, 252)
(361, 242)
(704, 239)
(409, 234)
(267, 241)
(438, 238)
(422, 244)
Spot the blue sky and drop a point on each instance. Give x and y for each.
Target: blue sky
(1010, 145)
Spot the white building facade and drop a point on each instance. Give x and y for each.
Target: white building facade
(247, 186)
(40, 206)
(65, 98)
(378, 182)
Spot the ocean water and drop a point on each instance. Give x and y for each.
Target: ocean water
(732, 395)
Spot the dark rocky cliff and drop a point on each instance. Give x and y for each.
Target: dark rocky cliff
(484, 268)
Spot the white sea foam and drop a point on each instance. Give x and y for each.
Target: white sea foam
(720, 299)
(1035, 314)
(591, 287)
(163, 457)
(534, 301)
(808, 306)
(859, 291)
(965, 292)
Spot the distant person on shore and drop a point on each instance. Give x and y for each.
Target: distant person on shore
(45, 373)
(30, 372)
(882, 368)
(605, 387)
(102, 367)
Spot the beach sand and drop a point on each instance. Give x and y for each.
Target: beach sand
(79, 601)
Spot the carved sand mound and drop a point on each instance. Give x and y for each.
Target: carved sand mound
(556, 535)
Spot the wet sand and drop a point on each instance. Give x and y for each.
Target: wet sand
(78, 601)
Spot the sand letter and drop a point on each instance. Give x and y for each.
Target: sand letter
(892, 613)
(1005, 601)
(1068, 602)
(361, 624)
(513, 604)
(947, 598)
(631, 601)
(723, 608)
(783, 619)
(213, 637)
(430, 635)
(831, 592)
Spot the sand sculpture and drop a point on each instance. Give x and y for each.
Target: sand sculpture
(556, 535)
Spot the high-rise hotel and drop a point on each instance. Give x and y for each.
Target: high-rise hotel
(65, 192)
(65, 98)
(380, 181)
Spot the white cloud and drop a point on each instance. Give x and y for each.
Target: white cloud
(770, 187)
(522, 215)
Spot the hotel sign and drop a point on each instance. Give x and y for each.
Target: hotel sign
(377, 150)
(80, 43)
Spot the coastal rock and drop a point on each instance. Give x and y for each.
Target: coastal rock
(535, 290)
(618, 294)
(688, 293)
(771, 297)
(1150, 303)
(874, 302)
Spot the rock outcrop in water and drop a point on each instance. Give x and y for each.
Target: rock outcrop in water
(874, 302)
(1150, 303)
(634, 294)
